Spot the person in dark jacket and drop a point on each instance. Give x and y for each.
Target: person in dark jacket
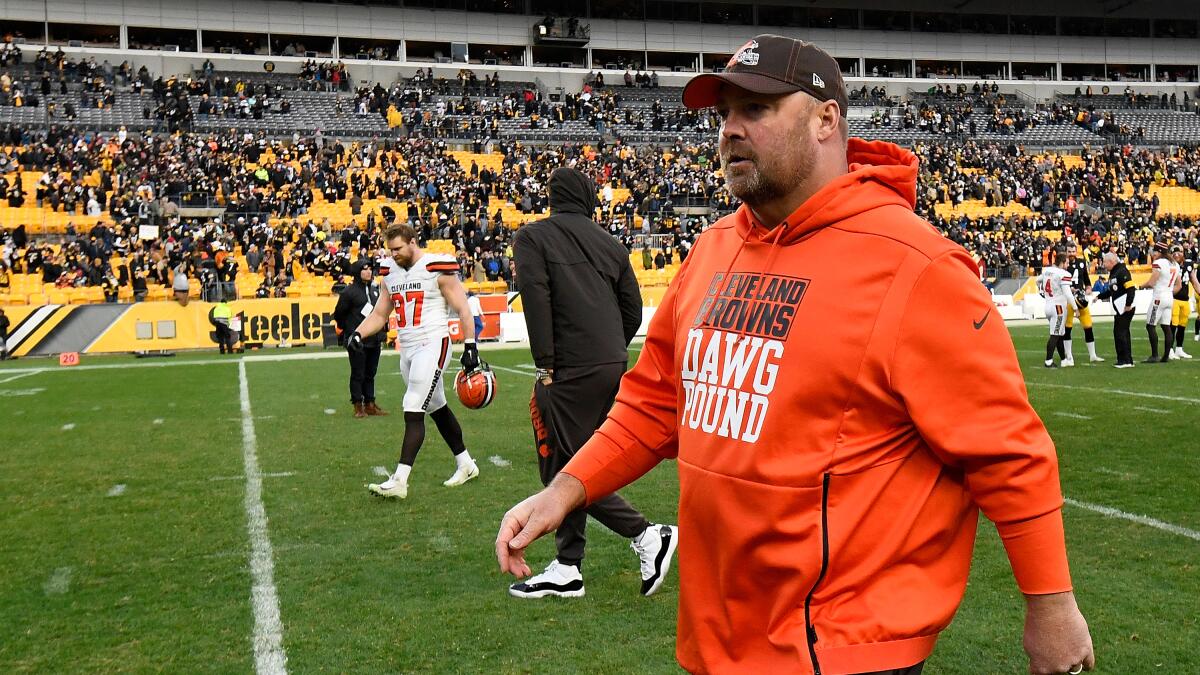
(582, 308)
(3, 335)
(355, 303)
(1120, 289)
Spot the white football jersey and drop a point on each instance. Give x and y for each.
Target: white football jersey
(1055, 285)
(421, 312)
(1168, 272)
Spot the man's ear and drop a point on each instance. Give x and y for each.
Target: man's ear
(829, 117)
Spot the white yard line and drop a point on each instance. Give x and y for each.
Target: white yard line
(278, 474)
(1123, 475)
(116, 490)
(164, 363)
(526, 373)
(18, 376)
(1074, 416)
(269, 656)
(1137, 394)
(1133, 517)
(1157, 411)
(9, 393)
(59, 582)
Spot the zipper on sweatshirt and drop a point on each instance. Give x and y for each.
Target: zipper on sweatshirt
(810, 631)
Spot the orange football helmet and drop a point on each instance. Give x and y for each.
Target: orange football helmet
(476, 388)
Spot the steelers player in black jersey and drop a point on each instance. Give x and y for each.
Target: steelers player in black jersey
(1082, 280)
(1181, 308)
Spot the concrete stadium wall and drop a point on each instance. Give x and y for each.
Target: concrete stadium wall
(299, 18)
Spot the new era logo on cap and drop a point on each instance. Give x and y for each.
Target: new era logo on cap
(773, 64)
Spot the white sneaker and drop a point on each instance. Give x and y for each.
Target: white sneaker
(462, 474)
(1068, 363)
(655, 547)
(1196, 337)
(1172, 355)
(1124, 365)
(1097, 359)
(1182, 354)
(390, 488)
(559, 580)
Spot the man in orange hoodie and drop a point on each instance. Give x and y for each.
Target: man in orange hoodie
(836, 426)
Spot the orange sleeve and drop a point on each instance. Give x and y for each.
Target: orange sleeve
(956, 370)
(641, 429)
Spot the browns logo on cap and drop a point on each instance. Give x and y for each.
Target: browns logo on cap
(773, 64)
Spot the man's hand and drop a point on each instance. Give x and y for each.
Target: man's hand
(470, 357)
(354, 343)
(1056, 635)
(533, 517)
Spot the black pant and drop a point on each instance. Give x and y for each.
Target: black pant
(1121, 337)
(363, 365)
(224, 338)
(565, 415)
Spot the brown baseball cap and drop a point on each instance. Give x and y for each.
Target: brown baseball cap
(773, 64)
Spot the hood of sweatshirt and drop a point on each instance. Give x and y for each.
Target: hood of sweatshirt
(880, 174)
(357, 268)
(571, 191)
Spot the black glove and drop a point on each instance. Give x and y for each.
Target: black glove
(354, 343)
(470, 357)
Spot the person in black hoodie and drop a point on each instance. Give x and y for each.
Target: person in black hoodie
(582, 308)
(3, 335)
(356, 302)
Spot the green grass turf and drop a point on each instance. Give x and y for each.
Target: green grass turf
(158, 577)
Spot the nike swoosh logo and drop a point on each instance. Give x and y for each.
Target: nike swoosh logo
(979, 324)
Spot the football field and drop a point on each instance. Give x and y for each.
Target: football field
(207, 514)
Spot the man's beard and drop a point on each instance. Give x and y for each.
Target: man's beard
(764, 184)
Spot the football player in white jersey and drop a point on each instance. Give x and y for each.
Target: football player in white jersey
(1054, 284)
(419, 287)
(1164, 281)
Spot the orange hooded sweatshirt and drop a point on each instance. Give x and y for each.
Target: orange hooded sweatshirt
(841, 398)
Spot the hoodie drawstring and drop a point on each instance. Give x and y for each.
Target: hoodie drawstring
(775, 248)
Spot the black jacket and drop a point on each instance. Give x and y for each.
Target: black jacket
(349, 310)
(582, 301)
(1120, 289)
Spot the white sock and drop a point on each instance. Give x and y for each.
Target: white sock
(463, 459)
(1091, 349)
(1067, 349)
(401, 475)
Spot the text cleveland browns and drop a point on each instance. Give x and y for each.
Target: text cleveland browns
(731, 360)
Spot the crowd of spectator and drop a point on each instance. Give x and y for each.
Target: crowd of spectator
(1087, 200)
(671, 189)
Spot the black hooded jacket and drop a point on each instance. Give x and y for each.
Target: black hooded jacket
(358, 294)
(581, 298)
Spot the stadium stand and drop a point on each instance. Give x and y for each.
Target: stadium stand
(308, 169)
